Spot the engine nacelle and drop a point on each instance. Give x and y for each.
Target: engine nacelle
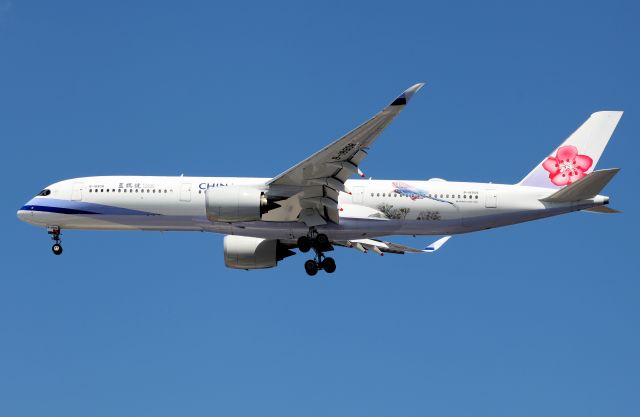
(241, 252)
(234, 204)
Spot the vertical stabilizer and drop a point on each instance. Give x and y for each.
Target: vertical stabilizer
(578, 155)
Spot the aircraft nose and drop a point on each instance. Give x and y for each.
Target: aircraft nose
(24, 213)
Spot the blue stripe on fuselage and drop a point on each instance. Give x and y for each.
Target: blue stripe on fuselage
(61, 210)
(52, 205)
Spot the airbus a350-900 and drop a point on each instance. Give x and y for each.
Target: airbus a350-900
(314, 206)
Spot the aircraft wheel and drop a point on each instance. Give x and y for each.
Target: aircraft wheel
(57, 249)
(311, 267)
(329, 265)
(322, 241)
(304, 244)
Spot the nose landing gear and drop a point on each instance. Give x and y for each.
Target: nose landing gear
(55, 236)
(320, 243)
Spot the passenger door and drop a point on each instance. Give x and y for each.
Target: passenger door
(491, 199)
(185, 192)
(76, 191)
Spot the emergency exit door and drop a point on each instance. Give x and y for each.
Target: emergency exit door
(358, 195)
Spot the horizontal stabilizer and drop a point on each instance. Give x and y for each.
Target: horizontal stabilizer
(585, 188)
(437, 244)
(602, 210)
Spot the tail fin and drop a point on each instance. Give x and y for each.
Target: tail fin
(578, 154)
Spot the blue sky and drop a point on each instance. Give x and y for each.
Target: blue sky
(535, 319)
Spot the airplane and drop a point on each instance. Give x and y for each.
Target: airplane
(314, 205)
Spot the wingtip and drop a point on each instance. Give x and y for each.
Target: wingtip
(406, 95)
(409, 92)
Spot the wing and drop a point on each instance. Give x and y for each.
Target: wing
(314, 184)
(381, 247)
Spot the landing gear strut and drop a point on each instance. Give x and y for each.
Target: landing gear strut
(320, 243)
(55, 236)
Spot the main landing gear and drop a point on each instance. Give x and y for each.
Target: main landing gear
(319, 242)
(55, 236)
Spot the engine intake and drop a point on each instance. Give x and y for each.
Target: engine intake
(235, 204)
(242, 252)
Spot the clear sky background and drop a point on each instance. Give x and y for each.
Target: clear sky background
(535, 319)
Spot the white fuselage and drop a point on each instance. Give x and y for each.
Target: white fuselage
(371, 208)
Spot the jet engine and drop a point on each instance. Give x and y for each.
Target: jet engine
(242, 252)
(236, 204)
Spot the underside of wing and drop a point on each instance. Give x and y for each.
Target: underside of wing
(313, 185)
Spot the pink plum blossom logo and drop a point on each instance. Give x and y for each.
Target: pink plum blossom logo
(568, 166)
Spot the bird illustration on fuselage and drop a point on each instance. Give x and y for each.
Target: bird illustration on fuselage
(406, 190)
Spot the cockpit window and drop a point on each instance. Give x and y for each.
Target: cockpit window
(44, 192)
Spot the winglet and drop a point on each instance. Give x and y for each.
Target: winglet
(437, 244)
(404, 98)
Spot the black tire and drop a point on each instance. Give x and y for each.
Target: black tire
(304, 244)
(57, 249)
(311, 267)
(329, 265)
(322, 241)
